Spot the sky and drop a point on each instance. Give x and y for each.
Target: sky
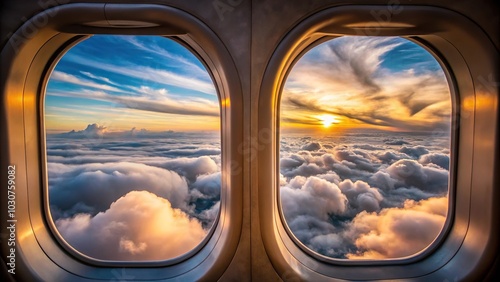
(365, 148)
(123, 82)
(378, 83)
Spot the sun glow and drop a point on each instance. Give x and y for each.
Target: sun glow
(328, 120)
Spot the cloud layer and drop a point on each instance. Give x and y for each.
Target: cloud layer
(138, 226)
(363, 196)
(398, 232)
(133, 195)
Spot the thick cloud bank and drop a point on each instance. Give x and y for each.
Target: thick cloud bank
(398, 232)
(133, 196)
(364, 197)
(138, 226)
(96, 186)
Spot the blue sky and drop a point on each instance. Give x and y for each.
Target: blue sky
(130, 81)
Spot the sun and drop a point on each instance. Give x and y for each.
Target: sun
(327, 120)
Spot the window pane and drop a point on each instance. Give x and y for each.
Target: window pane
(365, 146)
(133, 147)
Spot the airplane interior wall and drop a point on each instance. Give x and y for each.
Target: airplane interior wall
(247, 41)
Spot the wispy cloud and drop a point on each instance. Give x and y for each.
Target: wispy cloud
(346, 77)
(161, 103)
(150, 74)
(72, 79)
(101, 78)
(171, 58)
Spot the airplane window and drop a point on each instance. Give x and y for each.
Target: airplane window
(365, 148)
(133, 148)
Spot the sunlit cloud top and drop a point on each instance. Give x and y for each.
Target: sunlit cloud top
(385, 83)
(130, 81)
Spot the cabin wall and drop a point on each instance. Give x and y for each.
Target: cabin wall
(251, 31)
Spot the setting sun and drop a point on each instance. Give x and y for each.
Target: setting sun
(328, 120)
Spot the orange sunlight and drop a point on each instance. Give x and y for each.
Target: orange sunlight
(328, 120)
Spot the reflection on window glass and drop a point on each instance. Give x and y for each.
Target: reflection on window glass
(365, 148)
(133, 148)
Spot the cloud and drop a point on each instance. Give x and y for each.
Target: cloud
(95, 186)
(331, 244)
(101, 78)
(360, 58)
(388, 157)
(208, 216)
(398, 232)
(92, 131)
(330, 176)
(348, 78)
(322, 191)
(292, 162)
(415, 151)
(360, 161)
(306, 227)
(372, 177)
(69, 78)
(382, 180)
(209, 151)
(317, 197)
(168, 105)
(122, 138)
(313, 146)
(138, 226)
(304, 170)
(150, 74)
(208, 184)
(162, 103)
(361, 197)
(367, 147)
(395, 142)
(410, 173)
(172, 59)
(191, 168)
(441, 160)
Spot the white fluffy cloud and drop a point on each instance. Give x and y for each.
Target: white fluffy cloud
(138, 226)
(441, 160)
(375, 180)
(191, 167)
(91, 131)
(412, 174)
(317, 197)
(100, 189)
(208, 184)
(398, 232)
(361, 196)
(313, 146)
(95, 186)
